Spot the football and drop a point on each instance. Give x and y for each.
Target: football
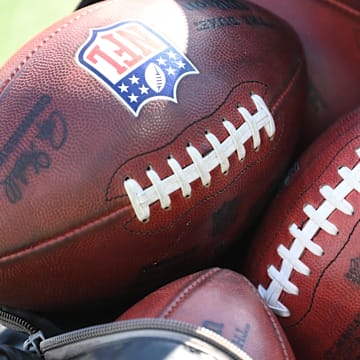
(222, 301)
(135, 147)
(305, 259)
(330, 34)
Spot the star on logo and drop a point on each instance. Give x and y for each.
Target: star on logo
(180, 64)
(134, 79)
(143, 89)
(171, 55)
(161, 61)
(170, 71)
(123, 88)
(133, 98)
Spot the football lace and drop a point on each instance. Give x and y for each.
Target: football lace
(201, 166)
(317, 219)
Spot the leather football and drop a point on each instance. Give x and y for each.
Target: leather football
(330, 33)
(138, 140)
(305, 259)
(223, 301)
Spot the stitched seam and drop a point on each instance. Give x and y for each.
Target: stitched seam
(270, 316)
(180, 133)
(97, 222)
(289, 86)
(300, 197)
(75, 232)
(321, 276)
(201, 166)
(272, 293)
(346, 9)
(186, 292)
(296, 74)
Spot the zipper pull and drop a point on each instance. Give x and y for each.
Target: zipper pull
(32, 343)
(36, 327)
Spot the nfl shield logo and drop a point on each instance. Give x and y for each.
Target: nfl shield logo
(136, 63)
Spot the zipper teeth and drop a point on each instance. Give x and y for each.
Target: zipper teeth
(143, 324)
(16, 322)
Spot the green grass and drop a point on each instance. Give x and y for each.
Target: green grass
(20, 20)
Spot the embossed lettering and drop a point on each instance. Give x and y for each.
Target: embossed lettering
(214, 326)
(216, 23)
(241, 336)
(219, 4)
(354, 271)
(348, 344)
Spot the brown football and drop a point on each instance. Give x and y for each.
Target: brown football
(223, 301)
(305, 258)
(138, 140)
(330, 34)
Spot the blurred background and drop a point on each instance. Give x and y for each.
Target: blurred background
(20, 20)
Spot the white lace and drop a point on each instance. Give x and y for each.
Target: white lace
(201, 166)
(334, 199)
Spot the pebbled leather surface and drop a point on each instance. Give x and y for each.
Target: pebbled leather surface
(69, 235)
(328, 303)
(329, 31)
(223, 301)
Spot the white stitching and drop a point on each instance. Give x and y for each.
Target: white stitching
(321, 221)
(334, 199)
(331, 196)
(156, 181)
(178, 172)
(215, 143)
(201, 166)
(234, 135)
